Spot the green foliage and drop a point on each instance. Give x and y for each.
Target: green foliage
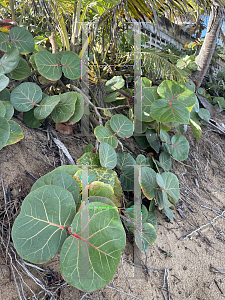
(10, 131)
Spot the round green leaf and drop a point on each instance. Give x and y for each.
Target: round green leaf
(127, 179)
(175, 103)
(145, 236)
(90, 256)
(153, 139)
(152, 219)
(88, 148)
(4, 132)
(9, 109)
(16, 133)
(2, 109)
(171, 185)
(99, 174)
(4, 42)
(117, 82)
(30, 120)
(140, 127)
(9, 61)
(79, 109)
(69, 169)
(179, 147)
(122, 126)
(60, 54)
(60, 178)
(107, 156)
(4, 81)
(145, 99)
(48, 65)
(89, 159)
(103, 134)
(141, 140)
(71, 65)
(22, 40)
(46, 106)
(147, 180)
(143, 82)
(65, 108)
(26, 96)
(5, 94)
(204, 114)
(21, 71)
(40, 229)
(124, 160)
(141, 160)
(165, 161)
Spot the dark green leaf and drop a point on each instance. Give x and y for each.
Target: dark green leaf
(48, 65)
(21, 71)
(107, 156)
(65, 108)
(71, 65)
(39, 231)
(9, 61)
(153, 139)
(25, 96)
(22, 40)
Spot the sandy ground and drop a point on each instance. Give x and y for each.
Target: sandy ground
(193, 266)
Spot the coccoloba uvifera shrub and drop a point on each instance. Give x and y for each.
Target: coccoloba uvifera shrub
(28, 97)
(90, 240)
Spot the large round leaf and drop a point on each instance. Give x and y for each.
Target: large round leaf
(5, 94)
(30, 120)
(147, 180)
(122, 126)
(171, 185)
(104, 134)
(46, 106)
(165, 161)
(69, 169)
(48, 65)
(4, 132)
(145, 99)
(204, 114)
(16, 133)
(4, 81)
(107, 156)
(141, 140)
(174, 107)
(40, 229)
(26, 96)
(124, 161)
(9, 109)
(65, 108)
(59, 178)
(9, 61)
(4, 42)
(21, 71)
(179, 147)
(127, 179)
(99, 174)
(2, 109)
(143, 82)
(71, 65)
(90, 256)
(22, 40)
(153, 139)
(117, 82)
(79, 109)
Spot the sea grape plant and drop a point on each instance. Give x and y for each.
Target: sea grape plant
(27, 97)
(89, 236)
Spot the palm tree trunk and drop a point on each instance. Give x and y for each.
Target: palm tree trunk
(204, 58)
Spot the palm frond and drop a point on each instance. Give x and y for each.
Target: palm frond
(156, 64)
